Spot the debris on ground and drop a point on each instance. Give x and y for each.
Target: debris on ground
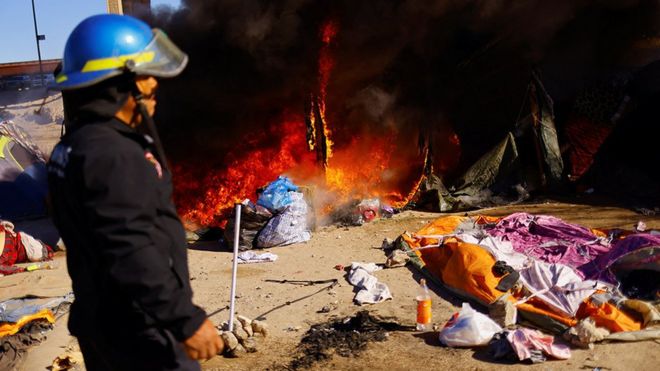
(242, 338)
(370, 290)
(347, 337)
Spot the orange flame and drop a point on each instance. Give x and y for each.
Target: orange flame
(368, 165)
(326, 63)
(205, 198)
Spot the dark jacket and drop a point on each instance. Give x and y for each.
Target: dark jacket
(126, 247)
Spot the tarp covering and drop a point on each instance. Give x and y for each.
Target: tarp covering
(460, 253)
(528, 157)
(23, 184)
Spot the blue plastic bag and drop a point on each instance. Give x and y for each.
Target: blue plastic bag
(276, 195)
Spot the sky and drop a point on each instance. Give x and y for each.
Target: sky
(55, 19)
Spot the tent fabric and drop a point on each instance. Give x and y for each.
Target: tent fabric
(552, 240)
(621, 247)
(497, 177)
(554, 295)
(23, 184)
(585, 139)
(545, 131)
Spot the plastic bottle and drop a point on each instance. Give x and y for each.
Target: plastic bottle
(423, 307)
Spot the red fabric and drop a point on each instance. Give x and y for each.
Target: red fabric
(14, 252)
(585, 138)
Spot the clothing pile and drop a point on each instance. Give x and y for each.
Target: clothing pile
(19, 247)
(556, 274)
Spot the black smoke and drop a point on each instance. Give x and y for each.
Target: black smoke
(423, 66)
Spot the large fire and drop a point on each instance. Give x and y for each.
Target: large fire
(368, 165)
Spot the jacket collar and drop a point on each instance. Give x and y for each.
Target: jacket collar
(145, 140)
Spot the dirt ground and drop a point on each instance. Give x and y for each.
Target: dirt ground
(290, 310)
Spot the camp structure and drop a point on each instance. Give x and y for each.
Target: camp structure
(23, 183)
(527, 158)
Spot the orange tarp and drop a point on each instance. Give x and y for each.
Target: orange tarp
(10, 328)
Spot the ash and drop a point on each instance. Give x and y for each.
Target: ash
(346, 338)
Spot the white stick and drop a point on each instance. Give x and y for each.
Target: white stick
(232, 299)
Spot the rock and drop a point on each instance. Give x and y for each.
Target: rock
(237, 352)
(250, 345)
(246, 324)
(240, 333)
(230, 340)
(245, 321)
(259, 327)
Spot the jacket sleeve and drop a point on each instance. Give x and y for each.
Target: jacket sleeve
(121, 202)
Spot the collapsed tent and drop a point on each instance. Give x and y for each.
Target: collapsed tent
(564, 273)
(528, 158)
(23, 184)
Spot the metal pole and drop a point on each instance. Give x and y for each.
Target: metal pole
(232, 299)
(36, 36)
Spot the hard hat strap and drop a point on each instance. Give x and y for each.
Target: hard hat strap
(151, 127)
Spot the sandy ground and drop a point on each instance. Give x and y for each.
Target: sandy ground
(290, 310)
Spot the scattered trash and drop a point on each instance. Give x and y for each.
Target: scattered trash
(424, 314)
(371, 291)
(500, 349)
(328, 308)
(276, 196)
(468, 328)
(640, 226)
(397, 258)
(67, 362)
(339, 267)
(585, 333)
(247, 257)
(368, 210)
(503, 311)
(527, 343)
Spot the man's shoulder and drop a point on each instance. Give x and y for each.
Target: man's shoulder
(98, 140)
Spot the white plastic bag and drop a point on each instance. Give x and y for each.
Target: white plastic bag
(468, 328)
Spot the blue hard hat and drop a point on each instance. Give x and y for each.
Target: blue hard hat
(107, 45)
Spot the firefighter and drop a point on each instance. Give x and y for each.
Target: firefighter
(111, 198)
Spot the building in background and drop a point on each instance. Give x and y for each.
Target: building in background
(132, 7)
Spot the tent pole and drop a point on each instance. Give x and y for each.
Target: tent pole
(232, 299)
